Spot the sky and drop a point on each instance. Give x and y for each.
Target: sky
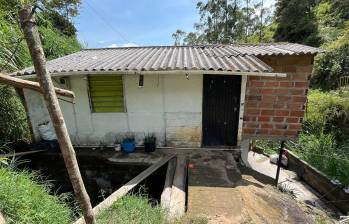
(118, 23)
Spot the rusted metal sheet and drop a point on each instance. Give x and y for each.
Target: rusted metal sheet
(238, 58)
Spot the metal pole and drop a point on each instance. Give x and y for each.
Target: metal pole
(279, 163)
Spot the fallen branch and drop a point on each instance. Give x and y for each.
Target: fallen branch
(20, 83)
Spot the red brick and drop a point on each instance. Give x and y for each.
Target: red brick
(305, 69)
(301, 99)
(266, 125)
(252, 125)
(257, 83)
(252, 111)
(267, 91)
(268, 78)
(254, 97)
(278, 119)
(282, 112)
(299, 77)
(292, 119)
(263, 118)
(267, 98)
(249, 130)
(254, 78)
(267, 112)
(295, 126)
(262, 131)
(289, 68)
(284, 98)
(281, 126)
(291, 133)
(251, 104)
(271, 84)
(286, 84)
(266, 105)
(281, 91)
(296, 106)
(277, 132)
(297, 92)
(301, 84)
(253, 91)
(280, 105)
(297, 113)
(250, 118)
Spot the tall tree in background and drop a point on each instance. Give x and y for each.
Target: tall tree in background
(228, 21)
(296, 22)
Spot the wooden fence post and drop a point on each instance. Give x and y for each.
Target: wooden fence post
(31, 34)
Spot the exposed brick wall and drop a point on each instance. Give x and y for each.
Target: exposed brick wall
(274, 107)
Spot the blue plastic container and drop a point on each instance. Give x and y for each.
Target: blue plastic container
(128, 147)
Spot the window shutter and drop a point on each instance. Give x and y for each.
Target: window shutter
(106, 93)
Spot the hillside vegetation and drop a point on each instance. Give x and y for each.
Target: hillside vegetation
(58, 36)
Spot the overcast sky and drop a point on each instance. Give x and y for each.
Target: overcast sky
(110, 23)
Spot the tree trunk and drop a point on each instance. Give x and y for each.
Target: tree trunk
(32, 37)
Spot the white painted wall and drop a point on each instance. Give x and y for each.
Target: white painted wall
(168, 105)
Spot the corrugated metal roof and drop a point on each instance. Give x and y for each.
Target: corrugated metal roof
(233, 58)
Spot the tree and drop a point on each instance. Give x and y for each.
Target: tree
(228, 21)
(296, 22)
(178, 37)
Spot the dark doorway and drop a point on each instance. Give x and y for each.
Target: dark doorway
(221, 104)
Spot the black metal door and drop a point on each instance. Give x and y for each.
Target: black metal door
(221, 103)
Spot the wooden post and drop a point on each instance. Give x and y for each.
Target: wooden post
(279, 163)
(32, 37)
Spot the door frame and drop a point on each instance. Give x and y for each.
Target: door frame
(241, 111)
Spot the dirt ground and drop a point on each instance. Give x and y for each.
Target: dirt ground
(237, 194)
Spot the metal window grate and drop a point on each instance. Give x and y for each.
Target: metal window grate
(106, 93)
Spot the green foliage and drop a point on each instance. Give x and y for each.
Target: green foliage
(224, 21)
(329, 113)
(24, 199)
(296, 22)
(320, 150)
(13, 121)
(133, 209)
(58, 39)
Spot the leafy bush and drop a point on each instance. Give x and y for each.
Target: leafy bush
(24, 199)
(133, 209)
(13, 120)
(329, 113)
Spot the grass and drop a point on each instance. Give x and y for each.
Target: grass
(24, 200)
(133, 209)
(324, 140)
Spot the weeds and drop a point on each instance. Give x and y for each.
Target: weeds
(133, 209)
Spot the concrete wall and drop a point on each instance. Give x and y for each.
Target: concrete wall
(168, 105)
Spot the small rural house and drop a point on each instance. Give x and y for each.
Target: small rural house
(189, 96)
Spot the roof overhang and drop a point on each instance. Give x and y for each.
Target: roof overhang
(164, 72)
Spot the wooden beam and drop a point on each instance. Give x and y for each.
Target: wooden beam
(166, 193)
(32, 37)
(177, 203)
(122, 191)
(20, 83)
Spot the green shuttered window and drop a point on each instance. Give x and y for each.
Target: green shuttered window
(106, 93)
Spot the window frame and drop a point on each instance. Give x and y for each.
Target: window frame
(90, 97)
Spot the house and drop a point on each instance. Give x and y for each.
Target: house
(189, 96)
